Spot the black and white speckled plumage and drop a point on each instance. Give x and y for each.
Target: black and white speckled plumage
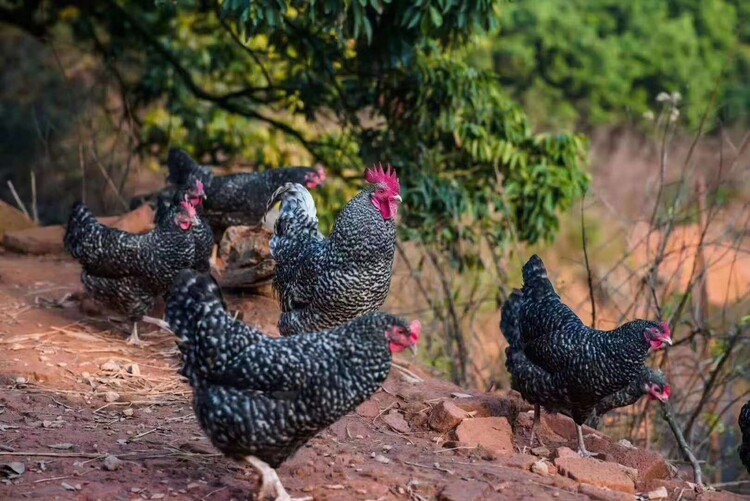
(201, 231)
(232, 200)
(744, 423)
(321, 282)
(558, 362)
(124, 270)
(255, 395)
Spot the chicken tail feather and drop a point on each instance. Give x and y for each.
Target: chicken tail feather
(182, 168)
(510, 320)
(81, 225)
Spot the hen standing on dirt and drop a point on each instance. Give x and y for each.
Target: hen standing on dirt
(236, 199)
(323, 283)
(128, 271)
(260, 399)
(557, 362)
(744, 423)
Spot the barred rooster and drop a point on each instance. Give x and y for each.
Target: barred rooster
(259, 399)
(325, 282)
(235, 199)
(127, 272)
(557, 362)
(744, 423)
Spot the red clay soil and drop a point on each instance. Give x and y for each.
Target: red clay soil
(85, 416)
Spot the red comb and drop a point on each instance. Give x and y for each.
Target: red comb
(416, 330)
(378, 175)
(667, 391)
(189, 208)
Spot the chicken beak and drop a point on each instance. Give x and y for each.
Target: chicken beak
(413, 349)
(397, 198)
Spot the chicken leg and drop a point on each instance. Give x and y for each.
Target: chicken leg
(133, 338)
(582, 451)
(270, 486)
(536, 425)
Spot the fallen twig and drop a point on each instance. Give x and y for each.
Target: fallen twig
(698, 473)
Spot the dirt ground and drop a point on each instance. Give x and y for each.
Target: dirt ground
(83, 415)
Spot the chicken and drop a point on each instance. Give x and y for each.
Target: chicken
(259, 399)
(557, 362)
(744, 423)
(648, 382)
(325, 282)
(204, 241)
(235, 199)
(125, 271)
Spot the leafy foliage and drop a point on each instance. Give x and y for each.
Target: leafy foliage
(341, 82)
(596, 62)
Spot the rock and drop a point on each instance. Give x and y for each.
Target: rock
(381, 459)
(20, 380)
(604, 494)
(493, 434)
(520, 461)
(445, 416)
(596, 473)
(566, 427)
(42, 240)
(110, 366)
(111, 396)
(566, 452)
(660, 493)
(542, 451)
(649, 464)
(396, 420)
(140, 220)
(369, 409)
(128, 412)
(540, 468)
(464, 490)
(111, 463)
(246, 257)
(134, 369)
(12, 219)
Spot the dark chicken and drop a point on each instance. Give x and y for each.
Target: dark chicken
(648, 382)
(557, 362)
(235, 199)
(195, 195)
(259, 399)
(325, 282)
(744, 422)
(125, 271)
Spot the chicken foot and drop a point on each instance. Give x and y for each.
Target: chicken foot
(270, 486)
(133, 338)
(535, 426)
(582, 451)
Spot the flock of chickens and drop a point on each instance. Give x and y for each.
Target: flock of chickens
(258, 398)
